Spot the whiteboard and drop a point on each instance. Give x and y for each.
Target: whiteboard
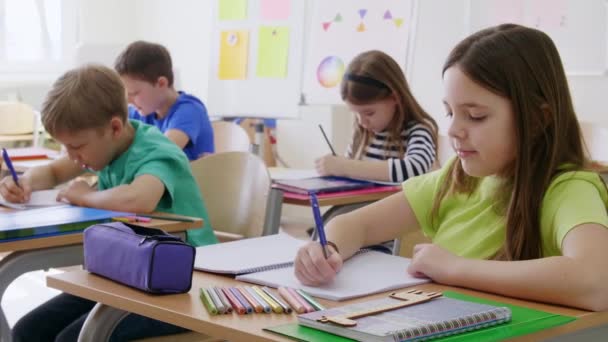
(253, 96)
(578, 28)
(341, 29)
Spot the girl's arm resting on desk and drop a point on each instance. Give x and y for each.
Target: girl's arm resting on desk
(578, 278)
(141, 196)
(343, 167)
(375, 223)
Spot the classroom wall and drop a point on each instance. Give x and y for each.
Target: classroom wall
(185, 27)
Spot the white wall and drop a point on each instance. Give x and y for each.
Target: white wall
(184, 26)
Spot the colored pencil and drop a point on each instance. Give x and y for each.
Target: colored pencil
(207, 301)
(273, 305)
(293, 302)
(254, 303)
(302, 301)
(309, 299)
(242, 299)
(223, 298)
(286, 307)
(256, 296)
(216, 300)
(236, 305)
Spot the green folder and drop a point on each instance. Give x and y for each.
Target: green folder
(523, 321)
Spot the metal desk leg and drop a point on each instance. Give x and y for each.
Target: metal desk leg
(274, 205)
(18, 263)
(100, 323)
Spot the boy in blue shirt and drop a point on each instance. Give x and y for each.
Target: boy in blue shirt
(146, 71)
(139, 171)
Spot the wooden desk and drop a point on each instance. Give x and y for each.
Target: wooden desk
(55, 251)
(186, 310)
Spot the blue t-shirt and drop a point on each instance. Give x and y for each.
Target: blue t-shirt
(189, 115)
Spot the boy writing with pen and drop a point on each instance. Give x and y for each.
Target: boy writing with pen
(139, 170)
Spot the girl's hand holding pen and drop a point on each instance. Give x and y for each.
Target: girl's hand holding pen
(312, 269)
(330, 165)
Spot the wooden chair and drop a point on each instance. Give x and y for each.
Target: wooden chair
(20, 123)
(235, 187)
(228, 136)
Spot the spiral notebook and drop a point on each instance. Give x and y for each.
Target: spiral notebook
(248, 255)
(436, 318)
(365, 273)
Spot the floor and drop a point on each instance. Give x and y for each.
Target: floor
(29, 290)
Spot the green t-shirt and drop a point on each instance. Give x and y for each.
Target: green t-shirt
(468, 225)
(152, 153)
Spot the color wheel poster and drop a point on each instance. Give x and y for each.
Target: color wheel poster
(341, 29)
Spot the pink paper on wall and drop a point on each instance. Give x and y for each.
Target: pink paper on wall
(275, 9)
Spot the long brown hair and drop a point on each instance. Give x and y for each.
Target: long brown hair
(373, 76)
(522, 65)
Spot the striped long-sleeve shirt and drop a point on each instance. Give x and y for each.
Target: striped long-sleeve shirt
(419, 153)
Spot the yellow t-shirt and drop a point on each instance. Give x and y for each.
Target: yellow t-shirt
(469, 226)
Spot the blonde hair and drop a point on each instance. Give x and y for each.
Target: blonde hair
(87, 97)
(373, 76)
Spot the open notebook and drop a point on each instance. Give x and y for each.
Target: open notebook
(38, 199)
(436, 318)
(248, 255)
(366, 273)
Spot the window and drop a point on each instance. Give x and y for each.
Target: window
(36, 35)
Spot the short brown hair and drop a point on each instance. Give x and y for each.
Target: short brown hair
(146, 61)
(84, 98)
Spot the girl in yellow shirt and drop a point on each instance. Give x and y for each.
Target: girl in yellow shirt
(514, 212)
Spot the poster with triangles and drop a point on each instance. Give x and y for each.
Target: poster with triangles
(341, 29)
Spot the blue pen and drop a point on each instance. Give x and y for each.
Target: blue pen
(316, 211)
(9, 164)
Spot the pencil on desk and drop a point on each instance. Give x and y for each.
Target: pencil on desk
(309, 299)
(266, 308)
(302, 301)
(242, 299)
(286, 307)
(295, 304)
(223, 299)
(216, 300)
(257, 307)
(207, 301)
(273, 305)
(236, 305)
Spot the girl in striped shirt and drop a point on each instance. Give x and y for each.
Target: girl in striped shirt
(394, 138)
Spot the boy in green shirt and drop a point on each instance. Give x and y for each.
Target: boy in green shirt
(139, 170)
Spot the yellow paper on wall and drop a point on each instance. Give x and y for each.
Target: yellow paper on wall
(232, 9)
(233, 55)
(273, 49)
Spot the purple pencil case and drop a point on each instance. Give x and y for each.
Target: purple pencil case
(144, 258)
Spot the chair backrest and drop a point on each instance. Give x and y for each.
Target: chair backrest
(596, 139)
(17, 118)
(235, 187)
(228, 136)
